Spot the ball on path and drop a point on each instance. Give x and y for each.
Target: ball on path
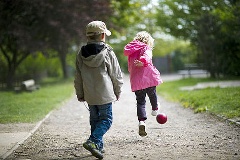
(161, 118)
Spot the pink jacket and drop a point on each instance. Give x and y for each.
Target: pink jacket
(145, 76)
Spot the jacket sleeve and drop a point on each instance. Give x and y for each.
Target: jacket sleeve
(114, 72)
(146, 58)
(78, 82)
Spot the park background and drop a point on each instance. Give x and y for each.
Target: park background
(40, 39)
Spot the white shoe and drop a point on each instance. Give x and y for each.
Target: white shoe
(155, 112)
(142, 129)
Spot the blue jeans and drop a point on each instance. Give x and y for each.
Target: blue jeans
(100, 121)
(141, 101)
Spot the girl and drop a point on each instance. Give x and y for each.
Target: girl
(144, 77)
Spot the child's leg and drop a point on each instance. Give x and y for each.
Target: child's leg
(93, 110)
(101, 121)
(141, 111)
(151, 92)
(141, 102)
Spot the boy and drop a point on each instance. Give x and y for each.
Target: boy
(98, 81)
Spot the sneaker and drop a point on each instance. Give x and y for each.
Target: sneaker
(102, 150)
(142, 131)
(93, 148)
(155, 112)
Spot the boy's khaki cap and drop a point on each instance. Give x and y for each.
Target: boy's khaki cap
(97, 27)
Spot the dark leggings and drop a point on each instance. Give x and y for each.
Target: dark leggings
(141, 101)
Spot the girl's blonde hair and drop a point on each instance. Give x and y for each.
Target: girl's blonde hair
(145, 37)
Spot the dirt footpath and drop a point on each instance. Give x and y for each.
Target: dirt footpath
(185, 136)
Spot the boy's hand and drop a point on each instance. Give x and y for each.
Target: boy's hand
(138, 63)
(118, 97)
(80, 99)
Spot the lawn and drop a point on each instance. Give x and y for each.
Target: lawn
(26, 107)
(30, 107)
(219, 101)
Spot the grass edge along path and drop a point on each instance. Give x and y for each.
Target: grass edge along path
(30, 107)
(217, 101)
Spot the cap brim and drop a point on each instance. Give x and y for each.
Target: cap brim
(107, 32)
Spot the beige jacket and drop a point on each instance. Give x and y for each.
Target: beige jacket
(98, 78)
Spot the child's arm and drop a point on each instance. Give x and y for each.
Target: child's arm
(144, 60)
(78, 82)
(115, 73)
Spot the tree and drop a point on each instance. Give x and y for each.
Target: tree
(201, 23)
(229, 38)
(69, 18)
(36, 25)
(17, 34)
(128, 16)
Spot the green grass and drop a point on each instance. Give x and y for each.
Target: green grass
(30, 107)
(219, 101)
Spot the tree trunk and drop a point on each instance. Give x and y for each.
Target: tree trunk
(10, 76)
(62, 56)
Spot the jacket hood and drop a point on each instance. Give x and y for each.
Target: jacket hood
(133, 47)
(93, 54)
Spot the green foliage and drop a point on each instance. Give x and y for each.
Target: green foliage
(134, 16)
(31, 107)
(71, 59)
(3, 68)
(178, 17)
(38, 66)
(54, 68)
(220, 101)
(212, 26)
(164, 47)
(127, 19)
(128, 14)
(34, 26)
(230, 38)
(118, 49)
(32, 65)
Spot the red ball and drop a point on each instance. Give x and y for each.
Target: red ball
(161, 118)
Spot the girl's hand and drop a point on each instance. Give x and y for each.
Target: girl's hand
(138, 63)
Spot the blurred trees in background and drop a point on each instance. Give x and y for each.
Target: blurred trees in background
(212, 26)
(33, 33)
(30, 26)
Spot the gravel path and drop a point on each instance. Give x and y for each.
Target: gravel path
(185, 136)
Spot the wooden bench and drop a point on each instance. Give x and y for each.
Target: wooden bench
(192, 69)
(28, 85)
(189, 73)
